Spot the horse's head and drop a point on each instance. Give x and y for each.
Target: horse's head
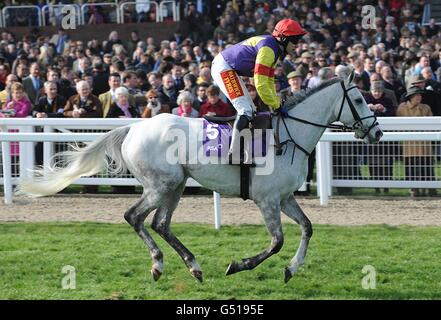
(355, 113)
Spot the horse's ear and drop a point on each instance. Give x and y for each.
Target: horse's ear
(351, 76)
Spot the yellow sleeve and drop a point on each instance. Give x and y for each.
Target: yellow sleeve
(264, 77)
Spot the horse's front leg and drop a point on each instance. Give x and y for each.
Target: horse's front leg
(270, 209)
(292, 209)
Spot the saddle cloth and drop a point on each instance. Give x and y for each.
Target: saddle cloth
(217, 140)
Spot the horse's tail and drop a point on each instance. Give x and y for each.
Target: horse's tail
(85, 161)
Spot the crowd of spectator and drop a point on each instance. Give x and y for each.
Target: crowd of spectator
(395, 60)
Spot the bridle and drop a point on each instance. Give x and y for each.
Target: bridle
(357, 125)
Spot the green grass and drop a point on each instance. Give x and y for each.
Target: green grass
(112, 263)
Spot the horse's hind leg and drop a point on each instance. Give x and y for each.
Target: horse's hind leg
(271, 213)
(292, 209)
(161, 224)
(136, 216)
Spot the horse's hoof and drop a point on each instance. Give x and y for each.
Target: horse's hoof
(232, 268)
(197, 274)
(156, 274)
(288, 275)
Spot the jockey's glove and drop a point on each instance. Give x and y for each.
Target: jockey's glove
(283, 111)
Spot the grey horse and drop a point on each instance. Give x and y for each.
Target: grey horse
(143, 147)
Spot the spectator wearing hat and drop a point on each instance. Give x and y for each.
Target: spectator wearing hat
(380, 163)
(387, 92)
(185, 106)
(305, 60)
(214, 105)
(430, 96)
(417, 154)
(378, 102)
(295, 81)
(154, 106)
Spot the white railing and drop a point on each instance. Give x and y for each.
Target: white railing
(412, 129)
(429, 129)
(123, 5)
(5, 10)
(27, 137)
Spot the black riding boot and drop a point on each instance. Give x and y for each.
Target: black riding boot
(234, 154)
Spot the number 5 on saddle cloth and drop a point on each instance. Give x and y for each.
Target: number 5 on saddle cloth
(217, 132)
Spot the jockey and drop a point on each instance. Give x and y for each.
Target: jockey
(255, 57)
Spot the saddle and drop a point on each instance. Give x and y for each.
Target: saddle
(224, 125)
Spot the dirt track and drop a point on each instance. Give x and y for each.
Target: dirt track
(341, 211)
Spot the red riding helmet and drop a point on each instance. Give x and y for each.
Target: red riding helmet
(288, 28)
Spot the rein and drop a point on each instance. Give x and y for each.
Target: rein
(356, 125)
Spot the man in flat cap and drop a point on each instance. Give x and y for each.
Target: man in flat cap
(295, 81)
